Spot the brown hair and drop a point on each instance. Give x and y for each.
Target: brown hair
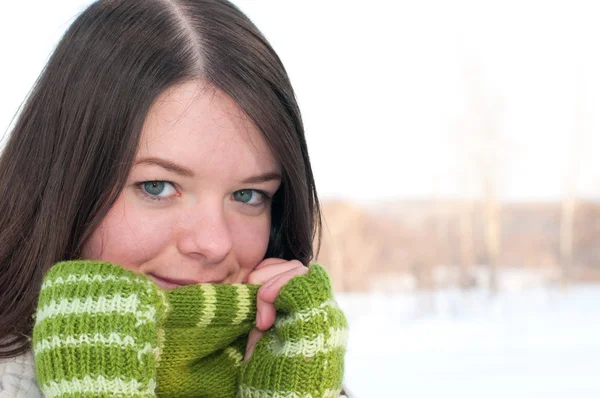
(73, 144)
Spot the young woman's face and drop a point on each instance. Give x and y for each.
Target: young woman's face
(196, 206)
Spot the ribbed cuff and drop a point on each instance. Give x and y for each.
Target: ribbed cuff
(95, 331)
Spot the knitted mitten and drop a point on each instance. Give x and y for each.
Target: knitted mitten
(303, 354)
(95, 332)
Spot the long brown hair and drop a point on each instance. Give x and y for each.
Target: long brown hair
(75, 139)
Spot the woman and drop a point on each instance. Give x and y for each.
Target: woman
(162, 144)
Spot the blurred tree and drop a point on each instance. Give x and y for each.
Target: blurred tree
(483, 119)
(569, 201)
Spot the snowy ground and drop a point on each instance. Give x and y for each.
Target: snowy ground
(535, 343)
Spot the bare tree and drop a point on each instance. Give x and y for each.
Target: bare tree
(569, 201)
(492, 230)
(483, 119)
(467, 244)
(567, 231)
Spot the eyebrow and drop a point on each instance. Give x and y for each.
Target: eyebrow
(168, 165)
(186, 172)
(272, 176)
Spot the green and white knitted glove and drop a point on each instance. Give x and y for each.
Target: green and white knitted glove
(302, 356)
(95, 332)
(103, 331)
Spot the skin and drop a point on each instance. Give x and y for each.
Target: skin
(196, 204)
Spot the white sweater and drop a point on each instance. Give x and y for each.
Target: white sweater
(17, 377)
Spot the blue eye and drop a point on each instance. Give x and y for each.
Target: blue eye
(154, 187)
(157, 190)
(250, 197)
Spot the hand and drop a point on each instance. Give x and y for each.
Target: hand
(271, 274)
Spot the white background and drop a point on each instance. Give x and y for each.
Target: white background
(393, 93)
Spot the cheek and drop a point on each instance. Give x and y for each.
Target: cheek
(127, 236)
(251, 239)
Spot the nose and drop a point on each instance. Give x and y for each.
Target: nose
(205, 234)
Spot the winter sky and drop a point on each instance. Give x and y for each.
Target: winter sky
(395, 94)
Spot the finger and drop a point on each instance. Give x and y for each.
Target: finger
(253, 337)
(265, 315)
(269, 261)
(268, 291)
(265, 309)
(269, 271)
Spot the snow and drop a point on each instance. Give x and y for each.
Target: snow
(541, 342)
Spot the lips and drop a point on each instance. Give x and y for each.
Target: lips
(168, 283)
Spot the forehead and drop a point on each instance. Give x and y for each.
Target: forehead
(198, 125)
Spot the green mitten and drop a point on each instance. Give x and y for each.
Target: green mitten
(303, 354)
(95, 332)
